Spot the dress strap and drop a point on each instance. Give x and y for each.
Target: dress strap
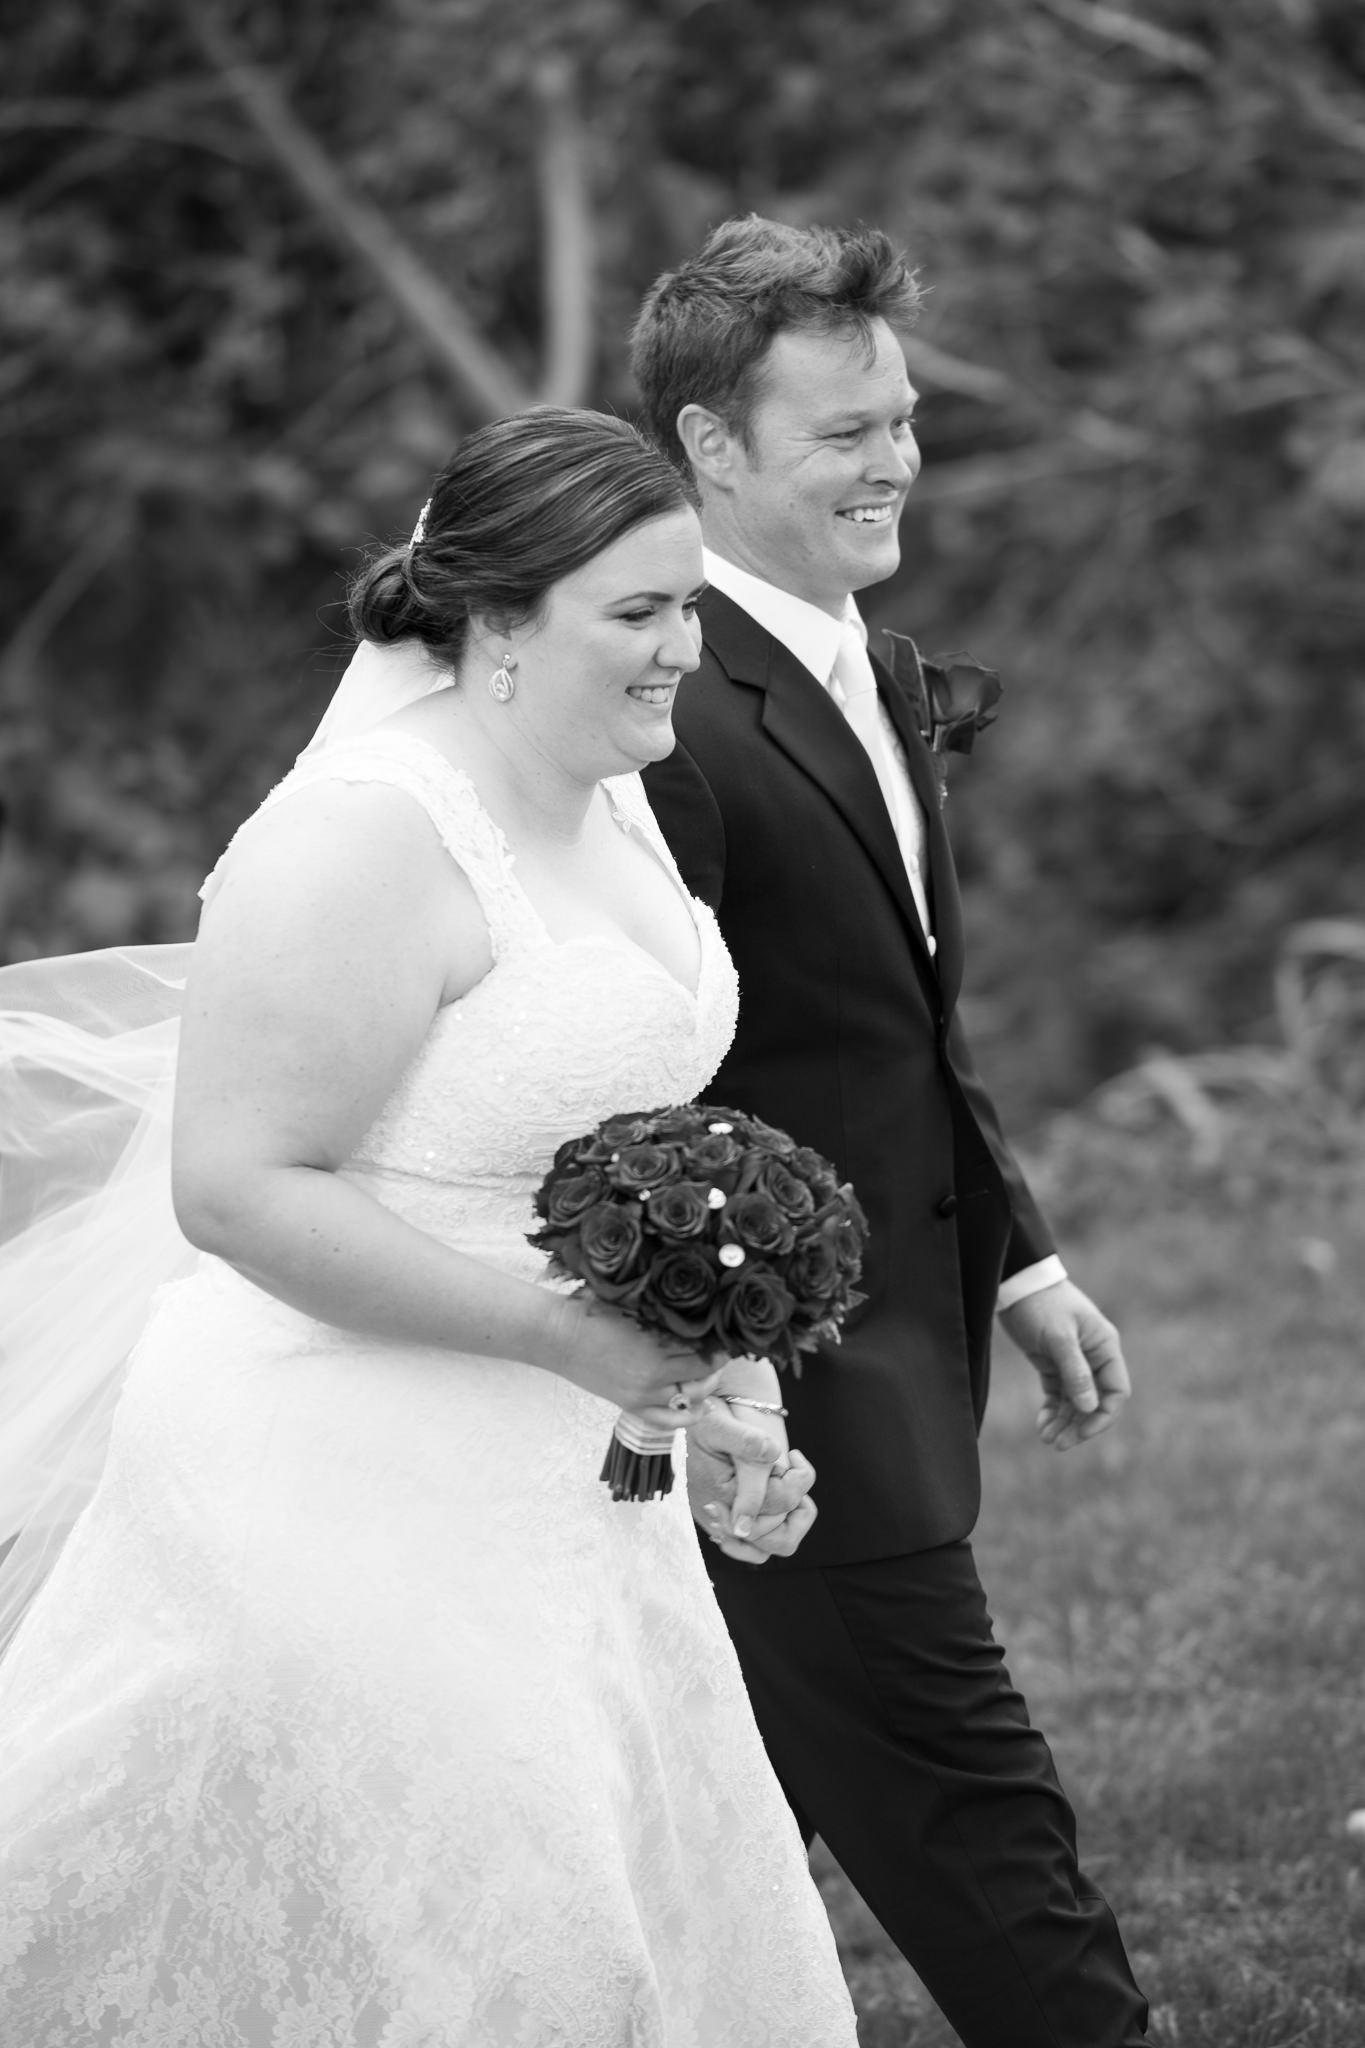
(471, 838)
(626, 795)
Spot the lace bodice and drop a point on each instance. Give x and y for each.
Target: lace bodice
(558, 1034)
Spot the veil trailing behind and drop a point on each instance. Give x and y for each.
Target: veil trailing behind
(87, 1230)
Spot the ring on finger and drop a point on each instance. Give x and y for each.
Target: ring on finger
(679, 1402)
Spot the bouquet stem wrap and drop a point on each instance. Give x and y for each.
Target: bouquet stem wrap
(706, 1225)
(639, 1461)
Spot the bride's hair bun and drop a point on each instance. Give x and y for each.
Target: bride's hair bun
(389, 602)
(521, 504)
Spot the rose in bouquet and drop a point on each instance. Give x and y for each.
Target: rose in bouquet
(711, 1226)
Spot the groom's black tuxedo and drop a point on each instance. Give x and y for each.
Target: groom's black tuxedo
(848, 1038)
(869, 1655)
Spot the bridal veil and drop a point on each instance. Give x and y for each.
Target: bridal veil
(87, 1230)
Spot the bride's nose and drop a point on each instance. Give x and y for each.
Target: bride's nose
(680, 647)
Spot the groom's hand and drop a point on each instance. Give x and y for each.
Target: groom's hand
(1078, 1357)
(748, 1492)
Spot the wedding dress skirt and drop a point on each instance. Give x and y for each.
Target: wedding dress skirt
(356, 1713)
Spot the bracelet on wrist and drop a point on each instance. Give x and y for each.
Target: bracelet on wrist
(745, 1401)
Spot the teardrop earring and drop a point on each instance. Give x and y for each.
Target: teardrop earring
(502, 684)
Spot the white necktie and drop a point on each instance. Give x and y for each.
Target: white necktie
(854, 689)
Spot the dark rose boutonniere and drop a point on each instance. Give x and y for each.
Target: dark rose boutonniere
(711, 1225)
(954, 697)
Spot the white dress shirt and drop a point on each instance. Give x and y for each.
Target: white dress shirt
(815, 638)
(853, 686)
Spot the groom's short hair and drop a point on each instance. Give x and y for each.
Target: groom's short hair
(705, 328)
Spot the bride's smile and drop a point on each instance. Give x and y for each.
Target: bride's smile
(653, 693)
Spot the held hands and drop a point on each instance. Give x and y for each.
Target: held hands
(1078, 1357)
(749, 1492)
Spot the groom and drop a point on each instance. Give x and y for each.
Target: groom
(801, 802)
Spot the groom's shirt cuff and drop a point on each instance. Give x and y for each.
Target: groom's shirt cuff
(1028, 1280)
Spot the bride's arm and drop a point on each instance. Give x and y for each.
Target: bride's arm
(338, 930)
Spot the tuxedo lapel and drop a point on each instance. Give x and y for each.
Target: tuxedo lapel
(945, 905)
(801, 718)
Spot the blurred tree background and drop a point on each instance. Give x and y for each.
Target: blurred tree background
(265, 260)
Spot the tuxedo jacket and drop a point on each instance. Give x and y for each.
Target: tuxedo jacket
(848, 1039)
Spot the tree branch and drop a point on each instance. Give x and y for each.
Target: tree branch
(151, 119)
(101, 541)
(486, 381)
(566, 237)
(981, 478)
(1111, 25)
(951, 373)
(1322, 113)
(1314, 102)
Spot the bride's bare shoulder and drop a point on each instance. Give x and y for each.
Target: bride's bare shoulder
(340, 868)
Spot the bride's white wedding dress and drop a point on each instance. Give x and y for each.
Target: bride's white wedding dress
(356, 1713)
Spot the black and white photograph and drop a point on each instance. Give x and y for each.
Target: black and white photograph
(682, 1024)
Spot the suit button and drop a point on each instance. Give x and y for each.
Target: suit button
(946, 1206)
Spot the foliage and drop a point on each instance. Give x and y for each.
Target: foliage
(1144, 420)
(1239, 1127)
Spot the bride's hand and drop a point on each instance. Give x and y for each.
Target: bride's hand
(656, 1378)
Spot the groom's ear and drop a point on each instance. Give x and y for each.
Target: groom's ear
(710, 445)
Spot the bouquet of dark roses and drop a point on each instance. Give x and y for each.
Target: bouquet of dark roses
(712, 1226)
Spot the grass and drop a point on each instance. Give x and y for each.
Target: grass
(1183, 1604)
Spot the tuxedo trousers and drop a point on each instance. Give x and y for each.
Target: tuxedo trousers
(891, 1721)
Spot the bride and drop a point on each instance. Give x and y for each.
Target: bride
(355, 1713)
